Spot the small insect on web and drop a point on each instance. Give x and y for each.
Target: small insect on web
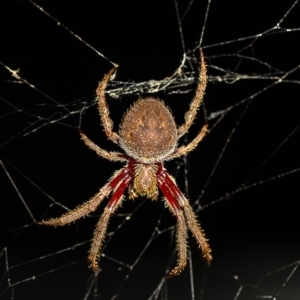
(148, 135)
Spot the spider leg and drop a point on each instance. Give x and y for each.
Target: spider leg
(101, 227)
(183, 150)
(89, 206)
(191, 219)
(190, 115)
(103, 108)
(114, 156)
(197, 232)
(181, 225)
(177, 200)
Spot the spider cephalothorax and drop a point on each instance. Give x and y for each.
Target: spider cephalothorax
(145, 181)
(148, 135)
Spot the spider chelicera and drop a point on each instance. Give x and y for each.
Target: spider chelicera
(148, 135)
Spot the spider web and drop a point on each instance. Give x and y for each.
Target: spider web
(242, 180)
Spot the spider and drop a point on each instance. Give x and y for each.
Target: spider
(148, 135)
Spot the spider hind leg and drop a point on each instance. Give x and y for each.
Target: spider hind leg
(197, 101)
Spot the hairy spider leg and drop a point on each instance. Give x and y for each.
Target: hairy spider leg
(121, 183)
(89, 206)
(110, 155)
(184, 213)
(197, 101)
(191, 219)
(183, 150)
(103, 108)
(181, 225)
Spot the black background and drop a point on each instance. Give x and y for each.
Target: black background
(252, 233)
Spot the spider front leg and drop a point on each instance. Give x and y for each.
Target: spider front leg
(184, 213)
(197, 232)
(89, 206)
(191, 219)
(181, 225)
(101, 227)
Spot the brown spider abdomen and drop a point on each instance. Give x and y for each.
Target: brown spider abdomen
(148, 131)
